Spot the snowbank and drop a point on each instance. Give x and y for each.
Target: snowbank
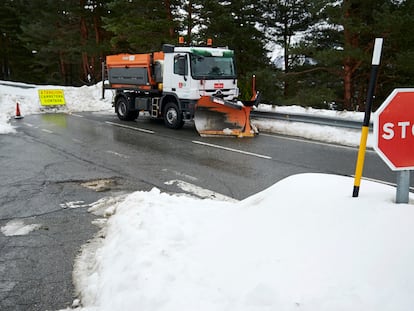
(347, 115)
(85, 98)
(329, 134)
(277, 250)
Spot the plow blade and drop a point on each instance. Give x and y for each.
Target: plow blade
(218, 117)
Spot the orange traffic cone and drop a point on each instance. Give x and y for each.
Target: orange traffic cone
(18, 115)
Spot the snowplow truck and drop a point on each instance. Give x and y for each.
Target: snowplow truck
(178, 84)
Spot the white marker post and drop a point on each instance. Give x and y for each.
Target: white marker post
(376, 57)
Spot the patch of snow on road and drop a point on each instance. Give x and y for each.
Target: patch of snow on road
(5, 126)
(18, 227)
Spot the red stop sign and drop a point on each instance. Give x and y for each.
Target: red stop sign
(394, 130)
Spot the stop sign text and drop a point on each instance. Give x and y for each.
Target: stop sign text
(399, 130)
(394, 130)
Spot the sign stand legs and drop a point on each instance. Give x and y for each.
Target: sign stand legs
(403, 186)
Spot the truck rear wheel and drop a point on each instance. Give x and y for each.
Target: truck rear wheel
(123, 111)
(173, 117)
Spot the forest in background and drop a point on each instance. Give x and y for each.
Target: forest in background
(327, 43)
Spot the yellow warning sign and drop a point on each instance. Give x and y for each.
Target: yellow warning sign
(51, 97)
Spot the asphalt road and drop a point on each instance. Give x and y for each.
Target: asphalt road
(44, 166)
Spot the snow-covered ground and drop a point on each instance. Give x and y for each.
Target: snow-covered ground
(276, 250)
(302, 244)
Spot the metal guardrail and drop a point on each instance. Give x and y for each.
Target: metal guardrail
(20, 85)
(305, 118)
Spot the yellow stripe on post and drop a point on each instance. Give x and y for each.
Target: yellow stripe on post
(361, 159)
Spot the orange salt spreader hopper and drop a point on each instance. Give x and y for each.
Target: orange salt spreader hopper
(215, 116)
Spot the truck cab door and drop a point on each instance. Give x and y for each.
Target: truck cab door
(181, 65)
(181, 83)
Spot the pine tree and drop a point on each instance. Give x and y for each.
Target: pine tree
(286, 23)
(344, 45)
(14, 57)
(140, 26)
(394, 23)
(93, 38)
(234, 24)
(66, 39)
(187, 14)
(51, 30)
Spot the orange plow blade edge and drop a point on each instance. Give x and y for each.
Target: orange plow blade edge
(215, 116)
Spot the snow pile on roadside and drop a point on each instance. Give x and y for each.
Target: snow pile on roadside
(329, 134)
(316, 249)
(347, 115)
(85, 98)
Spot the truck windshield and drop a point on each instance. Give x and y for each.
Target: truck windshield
(212, 67)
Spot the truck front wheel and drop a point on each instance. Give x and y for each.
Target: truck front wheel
(123, 111)
(173, 118)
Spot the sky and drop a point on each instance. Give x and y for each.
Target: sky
(288, 247)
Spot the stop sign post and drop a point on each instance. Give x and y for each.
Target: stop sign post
(394, 136)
